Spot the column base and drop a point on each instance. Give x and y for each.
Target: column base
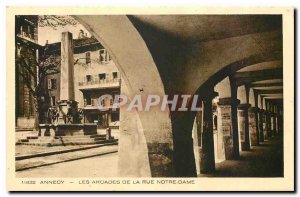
(160, 159)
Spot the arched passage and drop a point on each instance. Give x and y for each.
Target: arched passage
(165, 60)
(140, 76)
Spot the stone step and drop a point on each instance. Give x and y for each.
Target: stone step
(32, 137)
(64, 140)
(66, 143)
(97, 135)
(80, 137)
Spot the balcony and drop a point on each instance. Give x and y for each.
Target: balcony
(93, 104)
(26, 36)
(99, 84)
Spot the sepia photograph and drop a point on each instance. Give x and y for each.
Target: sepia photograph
(150, 97)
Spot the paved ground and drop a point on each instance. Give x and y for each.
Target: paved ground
(265, 160)
(26, 164)
(100, 166)
(262, 161)
(27, 149)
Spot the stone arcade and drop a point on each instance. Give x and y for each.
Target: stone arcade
(234, 59)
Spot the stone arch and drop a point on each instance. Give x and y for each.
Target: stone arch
(140, 77)
(228, 70)
(205, 63)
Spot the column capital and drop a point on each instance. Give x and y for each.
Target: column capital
(254, 109)
(268, 112)
(228, 101)
(263, 111)
(244, 106)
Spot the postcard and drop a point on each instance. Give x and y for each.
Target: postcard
(150, 99)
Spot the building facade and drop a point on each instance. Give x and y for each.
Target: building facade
(95, 74)
(26, 41)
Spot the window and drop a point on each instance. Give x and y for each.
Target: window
(52, 60)
(88, 57)
(115, 117)
(102, 76)
(88, 99)
(53, 100)
(104, 56)
(51, 84)
(89, 78)
(115, 75)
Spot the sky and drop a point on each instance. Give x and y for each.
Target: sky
(54, 35)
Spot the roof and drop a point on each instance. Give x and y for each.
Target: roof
(80, 45)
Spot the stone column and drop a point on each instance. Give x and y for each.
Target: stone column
(257, 114)
(254, 136)
(268, 124)
(67, 68)
(197, 138)
(275, 132)
(265, 124)
(67, 104)
(234, 120)
(207, 160)
(280, 121)
(133, 159)
(261, 125)
(277, 120)
(271, 120)
(225, 122)
(244, 126)
(183, 154)
(219, 139)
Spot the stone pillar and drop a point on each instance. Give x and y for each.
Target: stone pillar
(280, 121)
(219, 138)
(265, 124)
(277, 120)
(133, 159)
(207, 160)
(244, 126)
(274, 120)
(67, 104)
(261, 125)
(257, 114)
(183, 154)
(271, 120)
(67, 68)
(268, 124)
(197, 138)
(225, 122)
(254, 135)
(234, 120)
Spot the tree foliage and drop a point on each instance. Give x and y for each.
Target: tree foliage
(55, 21)
(33, 72)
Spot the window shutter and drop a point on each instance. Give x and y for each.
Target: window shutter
(84, 80)
(88, 57)
(49, 84)
(54, 84)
